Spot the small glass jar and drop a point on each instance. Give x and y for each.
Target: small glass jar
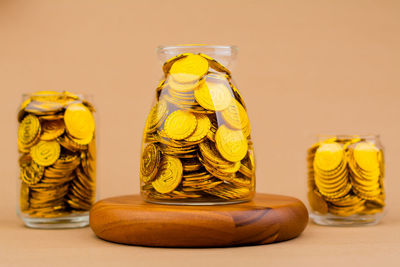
(196, 146)
(346, 180)
(57, 148)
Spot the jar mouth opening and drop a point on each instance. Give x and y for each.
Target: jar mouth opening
(365, 136)
(55, 93)
(226, 50)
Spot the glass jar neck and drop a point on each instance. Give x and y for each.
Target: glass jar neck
(224, 54)
(366, 137)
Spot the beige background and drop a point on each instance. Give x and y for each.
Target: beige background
(305, 67)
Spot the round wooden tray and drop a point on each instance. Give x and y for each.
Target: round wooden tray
(266, 219)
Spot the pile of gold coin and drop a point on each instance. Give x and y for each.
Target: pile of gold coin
(345, 177)
(197, 145)
(56, 141)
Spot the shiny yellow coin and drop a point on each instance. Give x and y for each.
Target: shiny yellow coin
(51, 129)
(156, 115)
(168, 64)
(24, 197)
(45, 153)
(183, 87)
(247, 130)
(82, 142)
(235, 115)
(189, 69)
(31, 173)
(214, 64)
(317, 202)
(28, 129)
(329, 156)
(366, 155)
(45, 107)
(79, 121)
(213, 95)
(150, 162)
(180, 124)
(169, 176)
(22, 112)
(231, 144)
(203, 126)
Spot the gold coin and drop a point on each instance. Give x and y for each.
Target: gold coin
(70, 144)
(213, 95)
(79, 121)
(81, 143)
(214, 64)
(203, 126)
(24, 197)
(247, 130)
(211, 154)
(43, 107)
(231, 144)
(237, 95)
(347, 200)
(22, 112)
(156, 116)
(169, 176)
(228, 191)
(51, 129)
(150, 162)
(31, 173)
(317, 202)
(180, 124)
(329, 156)
(167, 64)
(189, 69)
(28, 129)
(366, 155)
(52, 117)
(191, 165)
(89, 106)
(45, 153)
(235, 115)
(346, 210)
(183, 87)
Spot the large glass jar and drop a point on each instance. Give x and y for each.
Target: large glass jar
(57, 147)
(196, 144)
(345, 180)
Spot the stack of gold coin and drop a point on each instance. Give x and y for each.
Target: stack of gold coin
(196, 145)
(57, 154)
(345, 177)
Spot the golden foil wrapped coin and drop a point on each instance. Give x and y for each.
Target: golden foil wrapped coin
(197, 145)
(169, 176)
(28, 130)
(188, 69)
(213, 95)
(180, 124)
(150, 162)
(79, 122)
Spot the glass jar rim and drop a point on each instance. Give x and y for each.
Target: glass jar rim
(366, 136)
(226, 50)
(52, 93)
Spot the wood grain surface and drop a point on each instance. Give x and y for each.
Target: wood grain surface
(266, 219)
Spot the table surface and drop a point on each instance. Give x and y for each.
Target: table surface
(318, 245)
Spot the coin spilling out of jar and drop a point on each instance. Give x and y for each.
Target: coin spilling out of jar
(196, 145)
(56, 141)
(345, 177)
